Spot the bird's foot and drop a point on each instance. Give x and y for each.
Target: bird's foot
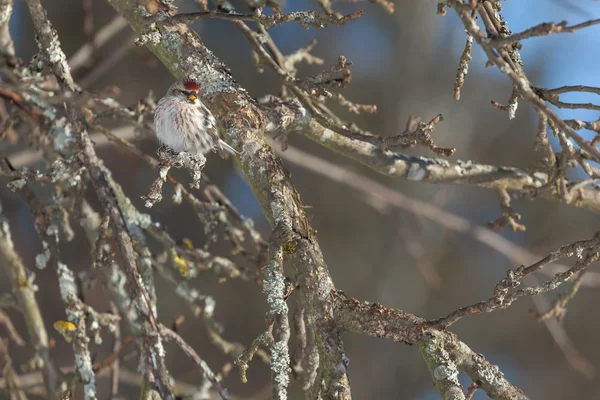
(166, 151)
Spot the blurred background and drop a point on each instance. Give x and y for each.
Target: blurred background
(406, 64)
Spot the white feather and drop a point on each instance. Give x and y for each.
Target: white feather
(189, 126)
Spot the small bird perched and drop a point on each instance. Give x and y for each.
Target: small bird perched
(183, 122)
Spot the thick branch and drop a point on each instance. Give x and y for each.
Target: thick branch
(487, 376)
(182, 51)
(442, 367)
(375, 320)
(435, 170)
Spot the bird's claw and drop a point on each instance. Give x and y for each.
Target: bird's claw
(166, 152)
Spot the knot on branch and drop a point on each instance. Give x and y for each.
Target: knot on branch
(509, 215)
(336, 76)
(417, 132)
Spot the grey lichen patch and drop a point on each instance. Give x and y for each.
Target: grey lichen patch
(41, 260)
(177, 196)
(275, 288)
(541, 178)
(454, 393)
(465, 164)
(224, 267)
(37, 97)
(66, 282)
(62, 133)
(512, 109)
(416, 172)
(326, 135)
(446, 372)
(158, 345)
(17, 184)
(436, 161)
(5, 229)
(112, 103)
(53, 50)
(52, 231)
(5, 12)
(325, 285)
(441, 365)
(152, 37)
(61, 172)
(279, 211)
(194, 163)
(489, 372)
(280, 367)
(256, 169)
(211, 80)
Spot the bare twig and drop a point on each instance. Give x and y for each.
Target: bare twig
(463, 67)
(305, 18)
(201, 364)
(542, 29)
(516, 75)
(503, 297)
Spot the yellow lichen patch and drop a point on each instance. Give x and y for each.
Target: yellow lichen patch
(182, 265)
(187, 243)
(66, 329)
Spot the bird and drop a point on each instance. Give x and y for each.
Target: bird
(184, 123)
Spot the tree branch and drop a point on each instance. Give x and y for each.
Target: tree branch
(184, 54)
(49, 46)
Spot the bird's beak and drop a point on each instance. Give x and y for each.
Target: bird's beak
(192, 97)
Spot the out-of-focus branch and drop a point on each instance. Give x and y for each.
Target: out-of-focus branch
(49, 46)
(84, 54)
(13, 383)
(24, 290)
(7, 46)
(11, 331)
(202, 366)
(32, 382)
(383, 195)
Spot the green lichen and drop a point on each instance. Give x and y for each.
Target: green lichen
(289, 248)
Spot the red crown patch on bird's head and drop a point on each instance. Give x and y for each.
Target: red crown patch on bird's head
(191, 85)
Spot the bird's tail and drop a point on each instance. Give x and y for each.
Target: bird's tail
(224, 146)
